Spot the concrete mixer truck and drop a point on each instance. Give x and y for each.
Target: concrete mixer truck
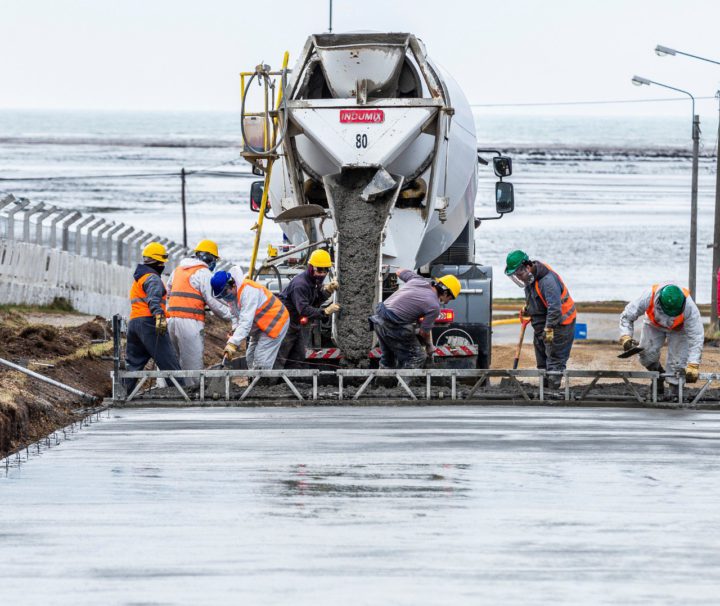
(370, 151)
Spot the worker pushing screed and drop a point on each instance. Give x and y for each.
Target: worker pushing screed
(670, 314)
(147, 329)
(190, 292)
(551, 310)
(258, 315)
(303, 298)
(403, 322)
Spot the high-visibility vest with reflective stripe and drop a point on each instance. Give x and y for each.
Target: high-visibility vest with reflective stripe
(139, 307)
(650, 311)
(271, 316)
(567, 305)
(185, 301)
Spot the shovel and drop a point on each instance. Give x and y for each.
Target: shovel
(523, 326)
(217, 384)
(631, 352)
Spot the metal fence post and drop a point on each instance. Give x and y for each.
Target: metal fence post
(26, 219)
(19, 205)
(78, 233)
(116, 324)
(65, 243)
(39, 225)
(122, 245)
(109, 241)
(89, 238)
(53, 226)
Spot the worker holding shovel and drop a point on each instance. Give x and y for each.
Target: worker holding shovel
(258, 315)
(551, 310)
(670, 314)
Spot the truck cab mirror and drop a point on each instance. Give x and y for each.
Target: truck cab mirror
(504, 197)
(256, 194)
(502, 165)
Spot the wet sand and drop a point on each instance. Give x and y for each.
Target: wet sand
(387, 505)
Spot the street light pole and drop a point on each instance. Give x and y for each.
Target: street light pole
(664, 51)
(692, 271)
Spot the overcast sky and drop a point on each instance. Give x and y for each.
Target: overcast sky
(184, 54)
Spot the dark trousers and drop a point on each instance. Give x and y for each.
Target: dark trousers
(292, 351)
(144, 343)
(399, 344)
(553, 356)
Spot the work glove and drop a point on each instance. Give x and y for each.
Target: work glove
(692, 373)
(230, 351)
(549, 334)
(160, 324)
(331, 287)
(628, 342)
(331, 309)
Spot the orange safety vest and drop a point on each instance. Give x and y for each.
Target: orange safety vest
(567, 305)
(186, 301)
(271, 316)
(139, 307)
(650, 312)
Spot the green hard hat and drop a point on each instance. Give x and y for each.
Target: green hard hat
(514, 260)
(672, 300)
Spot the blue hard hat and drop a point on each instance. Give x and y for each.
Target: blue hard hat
(219, 282)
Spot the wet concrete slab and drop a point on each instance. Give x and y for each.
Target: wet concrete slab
(373, 505)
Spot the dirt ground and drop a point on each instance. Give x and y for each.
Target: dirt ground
(72, 348)
(593, 355)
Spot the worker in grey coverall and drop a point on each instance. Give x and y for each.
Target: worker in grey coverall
(551, 310)
(190, 291)
(395, 319)
(669, 314)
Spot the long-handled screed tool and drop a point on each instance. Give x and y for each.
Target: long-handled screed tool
(523, 325)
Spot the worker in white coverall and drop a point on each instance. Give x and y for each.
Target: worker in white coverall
(670, 313)
(259, 316)
(190, 291)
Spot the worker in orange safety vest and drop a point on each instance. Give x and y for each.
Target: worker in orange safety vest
(670, 315)
(551, 310)
(147, 327)
(190, 292)
(260, 317)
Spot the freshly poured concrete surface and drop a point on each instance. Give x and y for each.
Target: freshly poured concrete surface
(369, 505)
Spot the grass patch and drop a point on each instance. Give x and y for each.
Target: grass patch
(58, 305)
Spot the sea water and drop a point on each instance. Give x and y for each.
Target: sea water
(605, 201)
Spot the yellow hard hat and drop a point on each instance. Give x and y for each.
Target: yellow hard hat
(320, 258)
(208, 246)
(155, 251)
(451, 283)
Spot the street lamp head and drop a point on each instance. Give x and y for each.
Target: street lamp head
(664, 51)
(638, 81)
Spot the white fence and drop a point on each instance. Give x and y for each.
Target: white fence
(34, 275)
(48, 252)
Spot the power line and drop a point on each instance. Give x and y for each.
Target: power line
(607, 102)
(199, 173)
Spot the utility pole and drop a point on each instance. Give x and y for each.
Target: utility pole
(330, 26)
(694, 207)
(716, 236)
(182, 198)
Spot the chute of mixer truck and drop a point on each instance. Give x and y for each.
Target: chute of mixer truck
(369, 150)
